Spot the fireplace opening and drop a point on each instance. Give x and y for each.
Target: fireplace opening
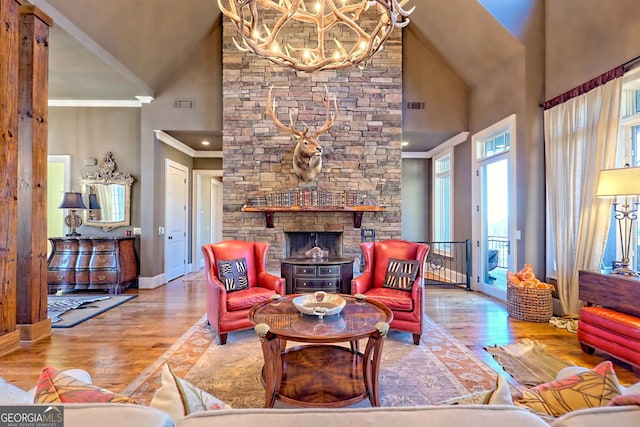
(299, 242)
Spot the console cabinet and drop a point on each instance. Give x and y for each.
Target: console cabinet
(86, 263)
(310, 275)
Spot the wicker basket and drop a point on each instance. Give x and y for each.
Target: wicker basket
(529, 304)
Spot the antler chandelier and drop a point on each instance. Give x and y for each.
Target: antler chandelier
(348, 32)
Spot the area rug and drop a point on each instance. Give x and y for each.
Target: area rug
(440, 368)
(66, 311)
(198, 276)
(528, 362)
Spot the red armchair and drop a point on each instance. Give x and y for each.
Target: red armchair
(407, 307)
(228, 311)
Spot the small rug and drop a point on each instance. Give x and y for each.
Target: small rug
(440, 368)
(66, 311)
(568, 322)
(528, 362)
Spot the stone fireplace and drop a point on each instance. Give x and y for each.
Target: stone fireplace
(298, 242)
(362, 151)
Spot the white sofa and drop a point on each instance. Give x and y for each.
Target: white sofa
(494, 415)
(127, 415)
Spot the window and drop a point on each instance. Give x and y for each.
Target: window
(443, 196)
(627, 153)
(497, 144)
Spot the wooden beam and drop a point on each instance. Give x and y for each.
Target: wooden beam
(31, 281)
(9, 42)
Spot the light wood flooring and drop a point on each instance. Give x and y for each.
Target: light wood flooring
(115, 346)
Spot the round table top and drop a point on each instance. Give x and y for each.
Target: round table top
(357, 320)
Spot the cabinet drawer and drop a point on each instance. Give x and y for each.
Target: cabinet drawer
(305, 270)
(103, 261)
(328, 270)
(82, 277)
(302, 285)
(104, 246)
(63, 261)
(98, 277)
(61, 277)
(67, 247)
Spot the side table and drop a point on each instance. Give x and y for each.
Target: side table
(321, 373)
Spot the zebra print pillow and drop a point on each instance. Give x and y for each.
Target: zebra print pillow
(233, 274)
(401, 273)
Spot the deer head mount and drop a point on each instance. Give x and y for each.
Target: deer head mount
(307, 154)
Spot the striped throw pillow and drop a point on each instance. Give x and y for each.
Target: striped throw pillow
(401, 273)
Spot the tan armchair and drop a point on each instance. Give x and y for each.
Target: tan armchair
(407, 306)
(228, 307)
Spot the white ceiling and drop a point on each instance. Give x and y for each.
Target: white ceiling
(118, 49)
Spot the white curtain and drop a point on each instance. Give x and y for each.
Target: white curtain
(581, 137)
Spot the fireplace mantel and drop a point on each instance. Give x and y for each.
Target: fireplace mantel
(357, 211)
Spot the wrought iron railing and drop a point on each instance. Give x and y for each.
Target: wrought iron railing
(448, 263)
(500, 244)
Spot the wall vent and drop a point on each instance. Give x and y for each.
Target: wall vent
(415, 105)
(183, 103)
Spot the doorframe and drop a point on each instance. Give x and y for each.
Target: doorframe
(185, 169)
(198, 176)
(65, 160)
(478, 255)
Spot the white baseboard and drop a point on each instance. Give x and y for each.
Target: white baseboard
(151, 282)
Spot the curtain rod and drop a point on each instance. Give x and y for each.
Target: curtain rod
(585, 87)
(632, 63)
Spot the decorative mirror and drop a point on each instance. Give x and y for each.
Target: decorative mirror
(107, 195)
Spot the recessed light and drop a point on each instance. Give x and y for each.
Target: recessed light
(205, 142)
(404, 143)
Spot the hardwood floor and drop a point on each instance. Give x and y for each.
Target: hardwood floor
(115, 346)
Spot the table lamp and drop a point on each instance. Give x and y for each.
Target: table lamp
(617, 183)
(72, 201)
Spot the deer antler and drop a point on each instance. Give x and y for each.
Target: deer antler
(329, 118)
(291, 128)
(328, 122)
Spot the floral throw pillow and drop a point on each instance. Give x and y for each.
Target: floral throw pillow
(180, 398)
(401, 273)
(58, 387)
(588, 389)
(233, 274)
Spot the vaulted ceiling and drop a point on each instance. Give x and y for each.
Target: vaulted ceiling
(120, 49)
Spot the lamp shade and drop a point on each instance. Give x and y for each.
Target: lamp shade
(72, 201)
(93, 201)
(619, 182)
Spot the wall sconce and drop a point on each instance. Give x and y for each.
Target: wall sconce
(622, 182)
(72, 201)
(93, 206)
(338, 33)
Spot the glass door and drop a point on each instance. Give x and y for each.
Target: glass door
(493, 192)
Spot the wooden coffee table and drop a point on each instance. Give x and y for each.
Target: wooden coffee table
(321, 373)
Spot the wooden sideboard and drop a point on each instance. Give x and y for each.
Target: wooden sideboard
(310, 275)
(83, 263)
(614, 291)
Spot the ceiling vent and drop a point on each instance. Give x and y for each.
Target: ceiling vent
(183, 103)
(415, 105)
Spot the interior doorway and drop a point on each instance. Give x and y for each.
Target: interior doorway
(58, 182)
(207, 213)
